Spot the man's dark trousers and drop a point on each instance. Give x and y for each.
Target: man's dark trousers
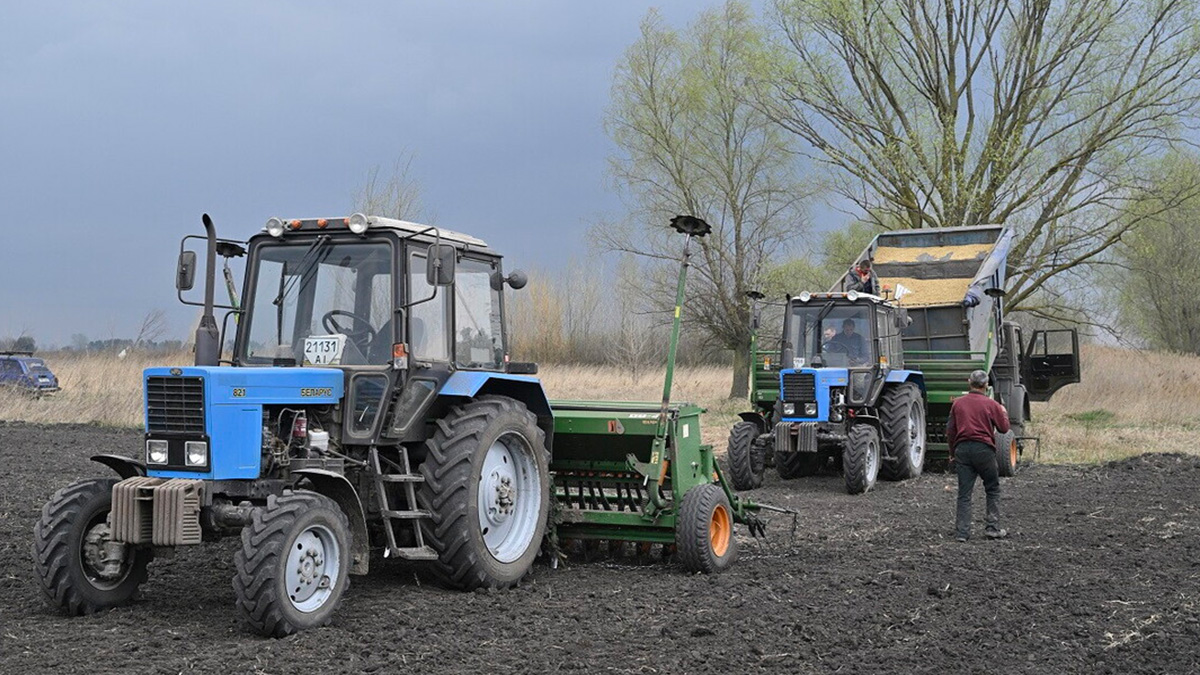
(976, 459)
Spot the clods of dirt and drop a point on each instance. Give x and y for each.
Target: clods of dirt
(1101, 573)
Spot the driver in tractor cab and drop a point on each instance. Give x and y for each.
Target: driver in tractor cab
(850, 342)
(862, 279)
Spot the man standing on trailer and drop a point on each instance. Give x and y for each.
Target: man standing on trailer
(974, 419)
(862, 278)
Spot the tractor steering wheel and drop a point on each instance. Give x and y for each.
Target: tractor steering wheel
(362, 326)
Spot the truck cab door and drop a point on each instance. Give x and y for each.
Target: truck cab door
(1050, 362)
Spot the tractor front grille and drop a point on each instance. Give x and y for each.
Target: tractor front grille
(799, 388)
(175, 404)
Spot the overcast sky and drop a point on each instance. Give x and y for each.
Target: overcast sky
(122, 122)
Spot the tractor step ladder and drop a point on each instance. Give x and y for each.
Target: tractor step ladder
(402, 474)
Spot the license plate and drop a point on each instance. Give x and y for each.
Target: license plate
(324, 350)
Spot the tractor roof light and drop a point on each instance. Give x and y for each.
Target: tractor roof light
(275, 227)
(852, 296)
(804, 296)
(358, 223)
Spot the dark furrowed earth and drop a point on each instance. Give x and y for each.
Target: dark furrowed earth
(1099, 574)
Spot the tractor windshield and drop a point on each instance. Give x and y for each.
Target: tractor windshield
(325, 304)
(832, 335)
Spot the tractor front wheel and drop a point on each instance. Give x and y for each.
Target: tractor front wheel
(292, 569)
(704, 530)
(746, 458)
(487, 487)
(860, 459)
(81, 569)
(798, 464)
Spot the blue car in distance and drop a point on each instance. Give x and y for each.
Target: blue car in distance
(26, 373)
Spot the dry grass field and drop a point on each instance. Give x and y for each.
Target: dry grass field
(1129, 402)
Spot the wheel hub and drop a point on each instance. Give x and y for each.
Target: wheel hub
(501, 494)
(312, 564)
(508, 500)
(103, 556)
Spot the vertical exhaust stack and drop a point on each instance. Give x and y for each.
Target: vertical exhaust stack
(208, 336)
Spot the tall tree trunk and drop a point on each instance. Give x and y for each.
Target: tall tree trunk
(741, 371)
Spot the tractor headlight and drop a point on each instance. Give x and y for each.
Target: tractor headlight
(789, 408)
(810, 409)
(156, 452)
(195, 453)
(358, 223)
(275, 227)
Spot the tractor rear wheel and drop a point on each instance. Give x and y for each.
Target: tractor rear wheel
(293, 567)
(1007, 453)
(704, 530)
(798, 464)
(81, 570)
(860, 459)
(487, 487)
(746, 458)
(902, 414)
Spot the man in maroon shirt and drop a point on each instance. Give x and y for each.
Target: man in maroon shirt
(974, 419)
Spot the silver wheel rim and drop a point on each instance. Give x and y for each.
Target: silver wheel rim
(916, 434)
(509, 500)
(313, 563)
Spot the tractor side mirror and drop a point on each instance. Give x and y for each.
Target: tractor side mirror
(185, 273)
(440, 265)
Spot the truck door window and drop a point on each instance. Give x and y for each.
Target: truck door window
(427, 337)
(478, 338)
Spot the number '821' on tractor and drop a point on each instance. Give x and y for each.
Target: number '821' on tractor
(368, 404)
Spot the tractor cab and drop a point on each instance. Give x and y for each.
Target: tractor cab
(849, 341)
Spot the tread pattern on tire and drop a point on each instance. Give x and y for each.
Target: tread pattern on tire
(257, 596)
(692, 530)
(52, 548)
(745, 473)
(446, 491)
(797, 464)
(854, 463)
(894, 406)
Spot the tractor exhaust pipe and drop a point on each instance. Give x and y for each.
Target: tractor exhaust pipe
(208, 336)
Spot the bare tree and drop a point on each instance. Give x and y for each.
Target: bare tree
(153, 326)
(691, 143)
(1039, 114)
(396, 195)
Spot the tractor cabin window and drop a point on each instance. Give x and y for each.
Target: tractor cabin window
(478, 334)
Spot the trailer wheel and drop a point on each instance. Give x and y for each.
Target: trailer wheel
(80, 569)
(860, 459)
(293, 567)
(798, 464)
(704, 530)
(746, 458)
(902, 414)
(487, 486)
(1007, 453)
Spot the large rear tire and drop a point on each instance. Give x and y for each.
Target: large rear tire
(746, 458)
(487, 486)
(902, 414)
(80, 569)
(798, 464)
(861, 459)
(293, 567)
(1007, 454)
(704, 530)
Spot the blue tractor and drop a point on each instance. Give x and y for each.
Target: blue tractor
(367, 403)
(843, 396)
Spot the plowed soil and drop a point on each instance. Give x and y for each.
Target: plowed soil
(1099, 575)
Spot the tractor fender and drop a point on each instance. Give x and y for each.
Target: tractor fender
(336, 487)
(124, 466)
(902, 376)
(528, 390)
(755, 418)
